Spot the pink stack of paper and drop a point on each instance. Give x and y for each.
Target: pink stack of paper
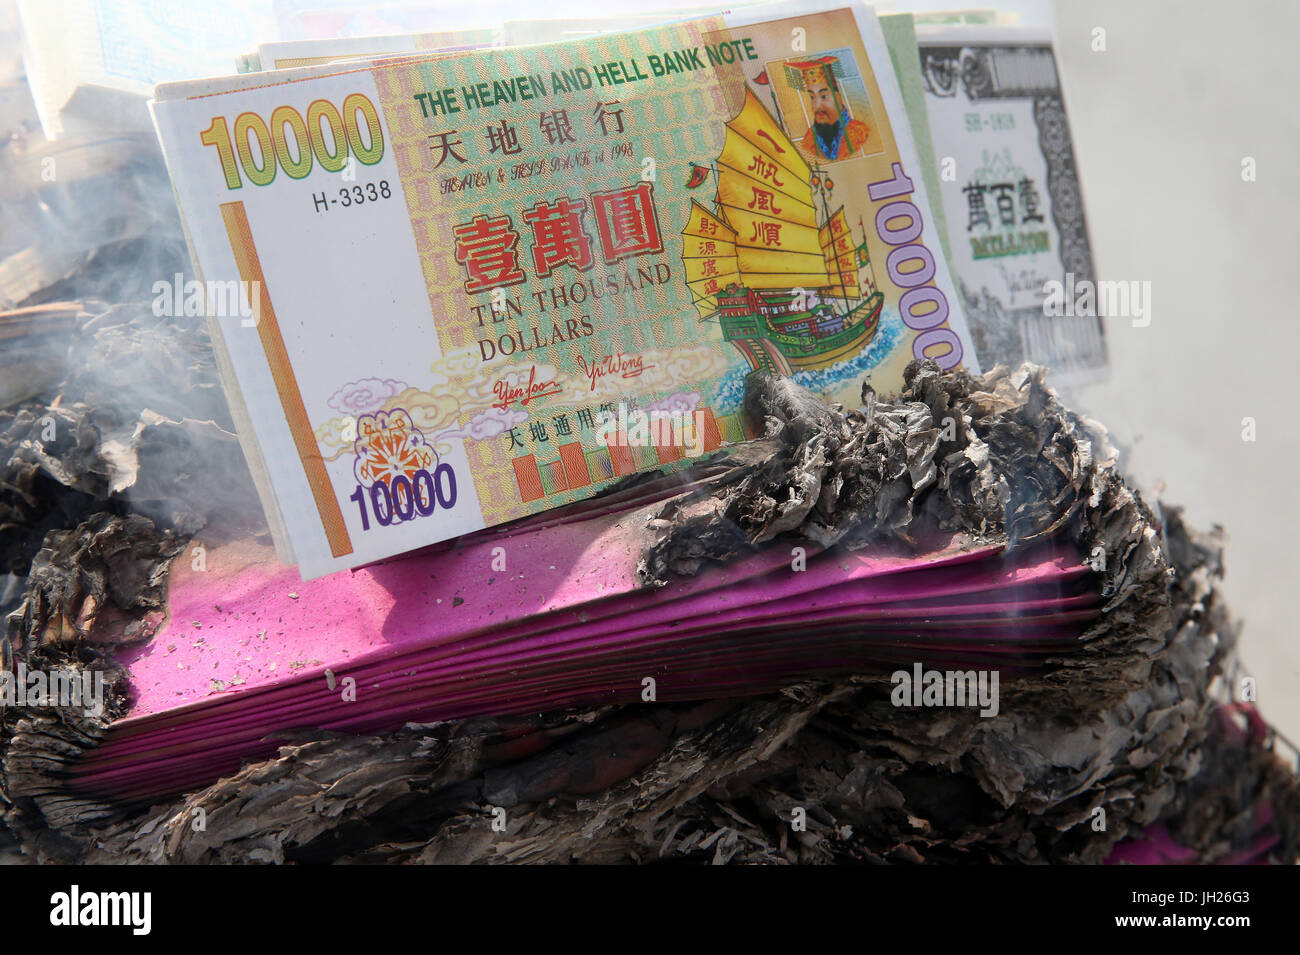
(550, 613)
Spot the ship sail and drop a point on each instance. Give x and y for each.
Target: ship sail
(749, 258)
(765, 196)
(840, 256)
(709, 258)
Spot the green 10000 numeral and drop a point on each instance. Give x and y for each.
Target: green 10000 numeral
(295, 144)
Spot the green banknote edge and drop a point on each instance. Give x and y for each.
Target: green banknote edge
(900, 37)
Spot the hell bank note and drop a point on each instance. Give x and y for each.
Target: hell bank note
(475, 285)
(1010, 193)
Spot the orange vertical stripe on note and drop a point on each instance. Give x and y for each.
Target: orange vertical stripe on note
(621, 455)
(706, 426)
(666, 446)
(575, 465)
(528, 478)
(277, 357)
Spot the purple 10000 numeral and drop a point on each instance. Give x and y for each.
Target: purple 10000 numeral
(903, 251)
(405, 498)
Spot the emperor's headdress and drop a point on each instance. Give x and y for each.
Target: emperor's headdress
(805, 75)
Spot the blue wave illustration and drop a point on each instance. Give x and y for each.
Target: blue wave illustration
(731, 390)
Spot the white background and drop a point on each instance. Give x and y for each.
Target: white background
(1161, 123)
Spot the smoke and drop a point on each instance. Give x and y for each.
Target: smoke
(105, 404)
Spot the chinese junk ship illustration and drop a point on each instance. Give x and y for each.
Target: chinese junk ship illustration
(779, 274)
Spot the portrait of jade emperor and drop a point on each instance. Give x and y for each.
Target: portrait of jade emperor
(833, 133)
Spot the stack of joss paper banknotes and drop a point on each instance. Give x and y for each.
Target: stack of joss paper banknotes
(250, 651)
(888, 554)
(496, 312)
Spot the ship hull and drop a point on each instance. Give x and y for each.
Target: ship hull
(872, 307)
(769, 349)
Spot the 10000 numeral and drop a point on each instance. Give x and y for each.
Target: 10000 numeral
(404, 498)
(918, 281)
(294, 144)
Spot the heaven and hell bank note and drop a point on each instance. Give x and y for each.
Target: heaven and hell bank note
(452, 290)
